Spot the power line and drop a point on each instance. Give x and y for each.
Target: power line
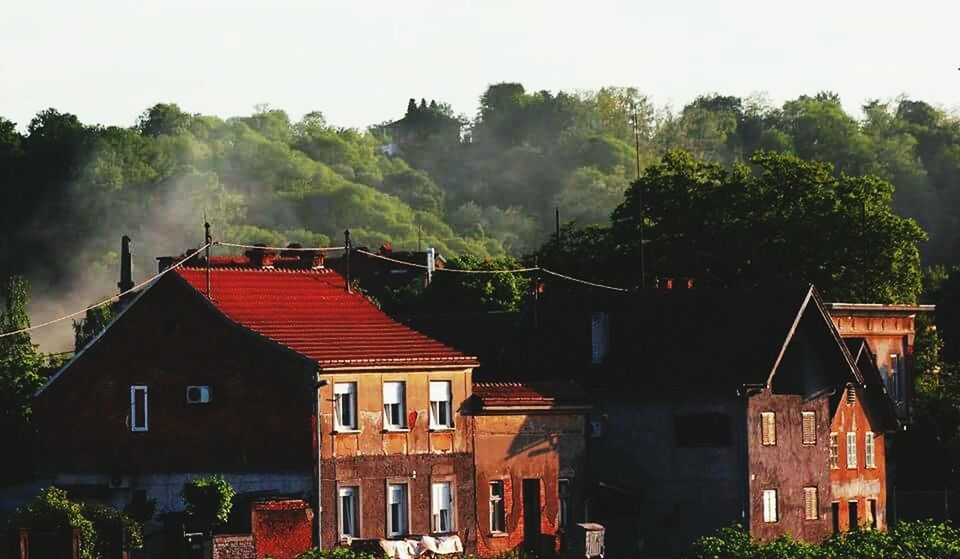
(106, 301)
(261, 247)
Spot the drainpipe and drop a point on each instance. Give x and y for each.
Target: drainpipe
(317, 384)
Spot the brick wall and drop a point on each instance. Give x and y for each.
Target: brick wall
(258, 420)
(282, 529)
(234, 546)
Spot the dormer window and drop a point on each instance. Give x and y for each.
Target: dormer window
(600, 336)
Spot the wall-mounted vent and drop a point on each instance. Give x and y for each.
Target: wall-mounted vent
(851, 394)
(199, 394)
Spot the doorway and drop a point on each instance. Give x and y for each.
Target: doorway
(854, 515)
(531, 515)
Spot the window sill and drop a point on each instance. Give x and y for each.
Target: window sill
(346, 432)
(497, 535)
(442, 429)
(399, 430)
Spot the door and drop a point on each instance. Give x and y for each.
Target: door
(854, 514)
(531, 515)
(835, 516)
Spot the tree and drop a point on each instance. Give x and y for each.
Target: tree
(781, 221)
(20, 378)
(209, 500)
(90, 326)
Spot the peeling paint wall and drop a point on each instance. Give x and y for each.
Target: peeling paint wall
(371, 456)
(789, 466)
(860, 484)
(516, 447)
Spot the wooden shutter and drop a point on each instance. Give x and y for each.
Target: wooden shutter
(810, 505)
(809, 424)
(768, 428)
(834, 451)
(869, 457)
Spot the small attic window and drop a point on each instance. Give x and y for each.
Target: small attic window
(600, 336)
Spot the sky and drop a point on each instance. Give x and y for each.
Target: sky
(358, 61)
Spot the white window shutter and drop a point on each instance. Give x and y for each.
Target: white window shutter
(344, 388)
(440, 391)
(392, 392)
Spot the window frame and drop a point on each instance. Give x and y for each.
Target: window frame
(869, 450)
(435, 424)
(834, 451)
(401, 405)
(134, 427)
(851, 450)
(352, 389)
(772, 439)
(498, 506)
(807, 492)
(435, 519)
(812, 417)
(765, 496)
(403, 509)
(354, 489)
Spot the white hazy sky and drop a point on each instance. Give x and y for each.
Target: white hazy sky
(358, 61)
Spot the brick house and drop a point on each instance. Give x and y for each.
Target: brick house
(709, 407)
(225, 369)
(531, 476)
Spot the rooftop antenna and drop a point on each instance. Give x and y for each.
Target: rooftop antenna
(636, 138)
(208, 240)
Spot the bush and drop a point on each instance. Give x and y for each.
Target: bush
(106, 522)
(908, 540)
(209, 499)
(52, 511)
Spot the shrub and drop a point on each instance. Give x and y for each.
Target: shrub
(106, 522)
(52, 511)
(209, 499)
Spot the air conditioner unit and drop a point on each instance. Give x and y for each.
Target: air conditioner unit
(595, 430)
(198, 394)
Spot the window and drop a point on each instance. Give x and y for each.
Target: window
(870, 457)
(397, 511)
(441, 405)
(834, 451)
(872, 504)
(138, 408)
(893, 379)
(563, 494)
(345, 406)
(599, 334)
(853, 515)
(349, 511)
(852, 451)
(702, 429)
(810, 505)
(441, 515)
(394, 405)
(851, 394)
(770, 505)
(768, 428)
(497, 507)
(808, 423)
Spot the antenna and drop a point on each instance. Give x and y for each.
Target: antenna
(346, 246)
(558, 236)
(636, 137)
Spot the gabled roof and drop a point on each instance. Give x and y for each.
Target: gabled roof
(561, 395)
(876, 390)
(310, 312)
(680, 338)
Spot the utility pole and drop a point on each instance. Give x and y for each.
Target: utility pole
(346, 248)
(559, 246)
(208, 239)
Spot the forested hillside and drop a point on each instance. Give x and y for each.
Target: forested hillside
(485, 185)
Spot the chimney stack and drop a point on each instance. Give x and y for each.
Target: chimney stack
(126, 268)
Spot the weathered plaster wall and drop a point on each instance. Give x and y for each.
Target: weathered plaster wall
(662, 496)
(789, 466)
(513, 448)
(861, 483)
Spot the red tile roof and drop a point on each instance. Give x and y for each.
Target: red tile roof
(519, 393)
(310, 312)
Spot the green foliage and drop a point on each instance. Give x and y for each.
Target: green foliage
(52, 511)
(20, 378)
(908, 540)
(88, 327)
(107, 522)
(347, 553)
(209, 499)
